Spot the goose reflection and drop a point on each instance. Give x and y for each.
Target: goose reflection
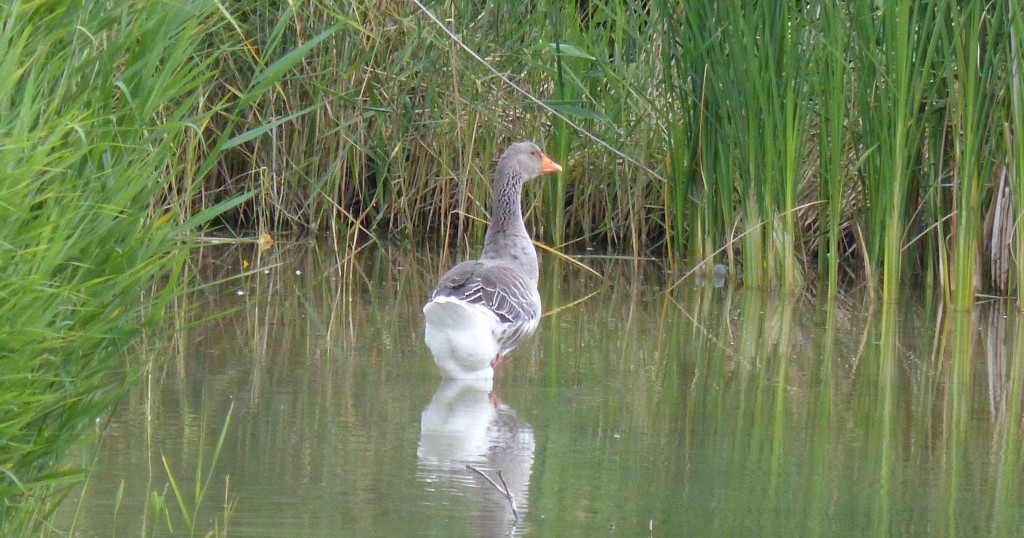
(466, 424)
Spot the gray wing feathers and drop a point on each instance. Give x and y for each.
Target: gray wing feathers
(500, 288)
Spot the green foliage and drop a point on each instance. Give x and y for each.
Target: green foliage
(1011, 275)
(92, 115)
(189, 508)
(100, 104)
(859, 137)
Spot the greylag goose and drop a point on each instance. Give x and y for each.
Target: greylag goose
(483, 308)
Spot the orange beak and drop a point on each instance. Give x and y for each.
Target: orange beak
(548, 166)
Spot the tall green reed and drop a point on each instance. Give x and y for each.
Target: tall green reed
(829, 79)
(1015, 143)
(767, 113)
(972, 121)
(96, 102)
(698, 199)
(189, 508)
(894, 71)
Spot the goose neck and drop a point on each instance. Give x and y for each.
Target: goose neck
(506, 235)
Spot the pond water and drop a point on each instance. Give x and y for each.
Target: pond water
(711, 411)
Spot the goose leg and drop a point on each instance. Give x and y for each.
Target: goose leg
(495, 400)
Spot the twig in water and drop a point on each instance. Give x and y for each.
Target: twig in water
(503, 489)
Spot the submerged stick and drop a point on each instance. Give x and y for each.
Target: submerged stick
(503, 490)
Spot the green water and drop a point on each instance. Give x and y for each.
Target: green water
(710, 412)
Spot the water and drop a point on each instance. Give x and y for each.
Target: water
(710, 412)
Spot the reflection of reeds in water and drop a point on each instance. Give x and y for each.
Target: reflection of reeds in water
(843, 406)
(294, 342)
(889, 417)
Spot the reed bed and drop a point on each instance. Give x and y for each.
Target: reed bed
(85, 143)
(799, 143)
(100, 106)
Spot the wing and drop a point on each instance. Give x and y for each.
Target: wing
(498, 287)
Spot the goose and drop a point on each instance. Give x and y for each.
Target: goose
(481, 309)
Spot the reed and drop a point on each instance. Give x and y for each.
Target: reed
(101, 106)
(1011, 278)
(189, 507)
(972, 117)
(830, 81)
(838, 139)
